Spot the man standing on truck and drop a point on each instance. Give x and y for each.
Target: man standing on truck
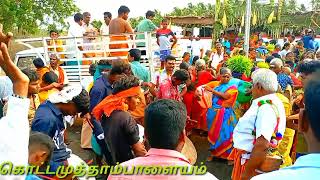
(163, 40)
(90, 32)
(145, 25)
(76, 30)
(104, 30)
(117, 27)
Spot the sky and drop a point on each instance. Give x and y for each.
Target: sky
(139, 7)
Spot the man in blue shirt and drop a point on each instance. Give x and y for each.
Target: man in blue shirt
(137, 68)
(227, 45)
(307, 166)
(49, 119)
(308, 40)
(100, 90)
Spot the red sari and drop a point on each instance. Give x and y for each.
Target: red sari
(195, 111)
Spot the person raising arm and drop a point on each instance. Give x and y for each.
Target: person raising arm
(15, 124)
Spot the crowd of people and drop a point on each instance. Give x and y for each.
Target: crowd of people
(264, 122)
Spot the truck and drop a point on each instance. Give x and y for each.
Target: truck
(76, 71)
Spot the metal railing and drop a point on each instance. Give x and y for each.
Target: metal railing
(97, 45)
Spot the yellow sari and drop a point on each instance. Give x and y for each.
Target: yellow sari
(285, 145)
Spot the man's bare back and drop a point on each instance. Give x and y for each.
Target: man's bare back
(119, 26)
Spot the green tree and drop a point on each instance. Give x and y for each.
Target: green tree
(291, 7)
(156, 20)
(315, 4)
(135, 21)
(27, 15)
(302, 8)
(96, 24)
(199, 9)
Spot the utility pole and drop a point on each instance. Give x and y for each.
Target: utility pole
(247, 27)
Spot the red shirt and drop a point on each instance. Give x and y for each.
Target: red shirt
(168, 91)
(295, 80)
(204, 77)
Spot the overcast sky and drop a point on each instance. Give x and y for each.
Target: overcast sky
(139, 7)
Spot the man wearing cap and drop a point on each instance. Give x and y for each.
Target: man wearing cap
(49, 119)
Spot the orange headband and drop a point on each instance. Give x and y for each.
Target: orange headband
(115, 102)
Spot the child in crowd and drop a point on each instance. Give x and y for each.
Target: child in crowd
(50, 80)
(56, 43)
(41, 69)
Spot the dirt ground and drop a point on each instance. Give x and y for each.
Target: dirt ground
(218, 168)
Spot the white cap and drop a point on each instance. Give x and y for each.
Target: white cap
(66, 94)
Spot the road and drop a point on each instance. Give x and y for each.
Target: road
(218, 168)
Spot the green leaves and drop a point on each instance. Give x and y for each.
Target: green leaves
(156, 20)
(27, 16)
(240, 64)
(96, 24)
(200, 9)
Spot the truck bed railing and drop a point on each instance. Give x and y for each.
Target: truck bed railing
(99, 46)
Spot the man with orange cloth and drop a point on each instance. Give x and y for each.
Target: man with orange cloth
(117, 28)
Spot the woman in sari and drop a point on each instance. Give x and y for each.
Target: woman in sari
(221, 118)
(198, 78)
(198, 113)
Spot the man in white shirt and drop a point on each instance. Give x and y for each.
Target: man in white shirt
(255, 131)
(197, 48)
(90, 32)
(307, 166)
(217, 57)
(292, 42)
(15, 124)
(167, 72)
(104, 30)
(164, 74)
(76, 30)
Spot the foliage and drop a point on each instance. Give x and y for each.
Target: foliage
(156, 20)
(315, 4)
(27, 15)
(96, 24)
(291, 7)
(235, 10)
(240, 64)
(199, 9)
(135, 21)
(302, 8)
